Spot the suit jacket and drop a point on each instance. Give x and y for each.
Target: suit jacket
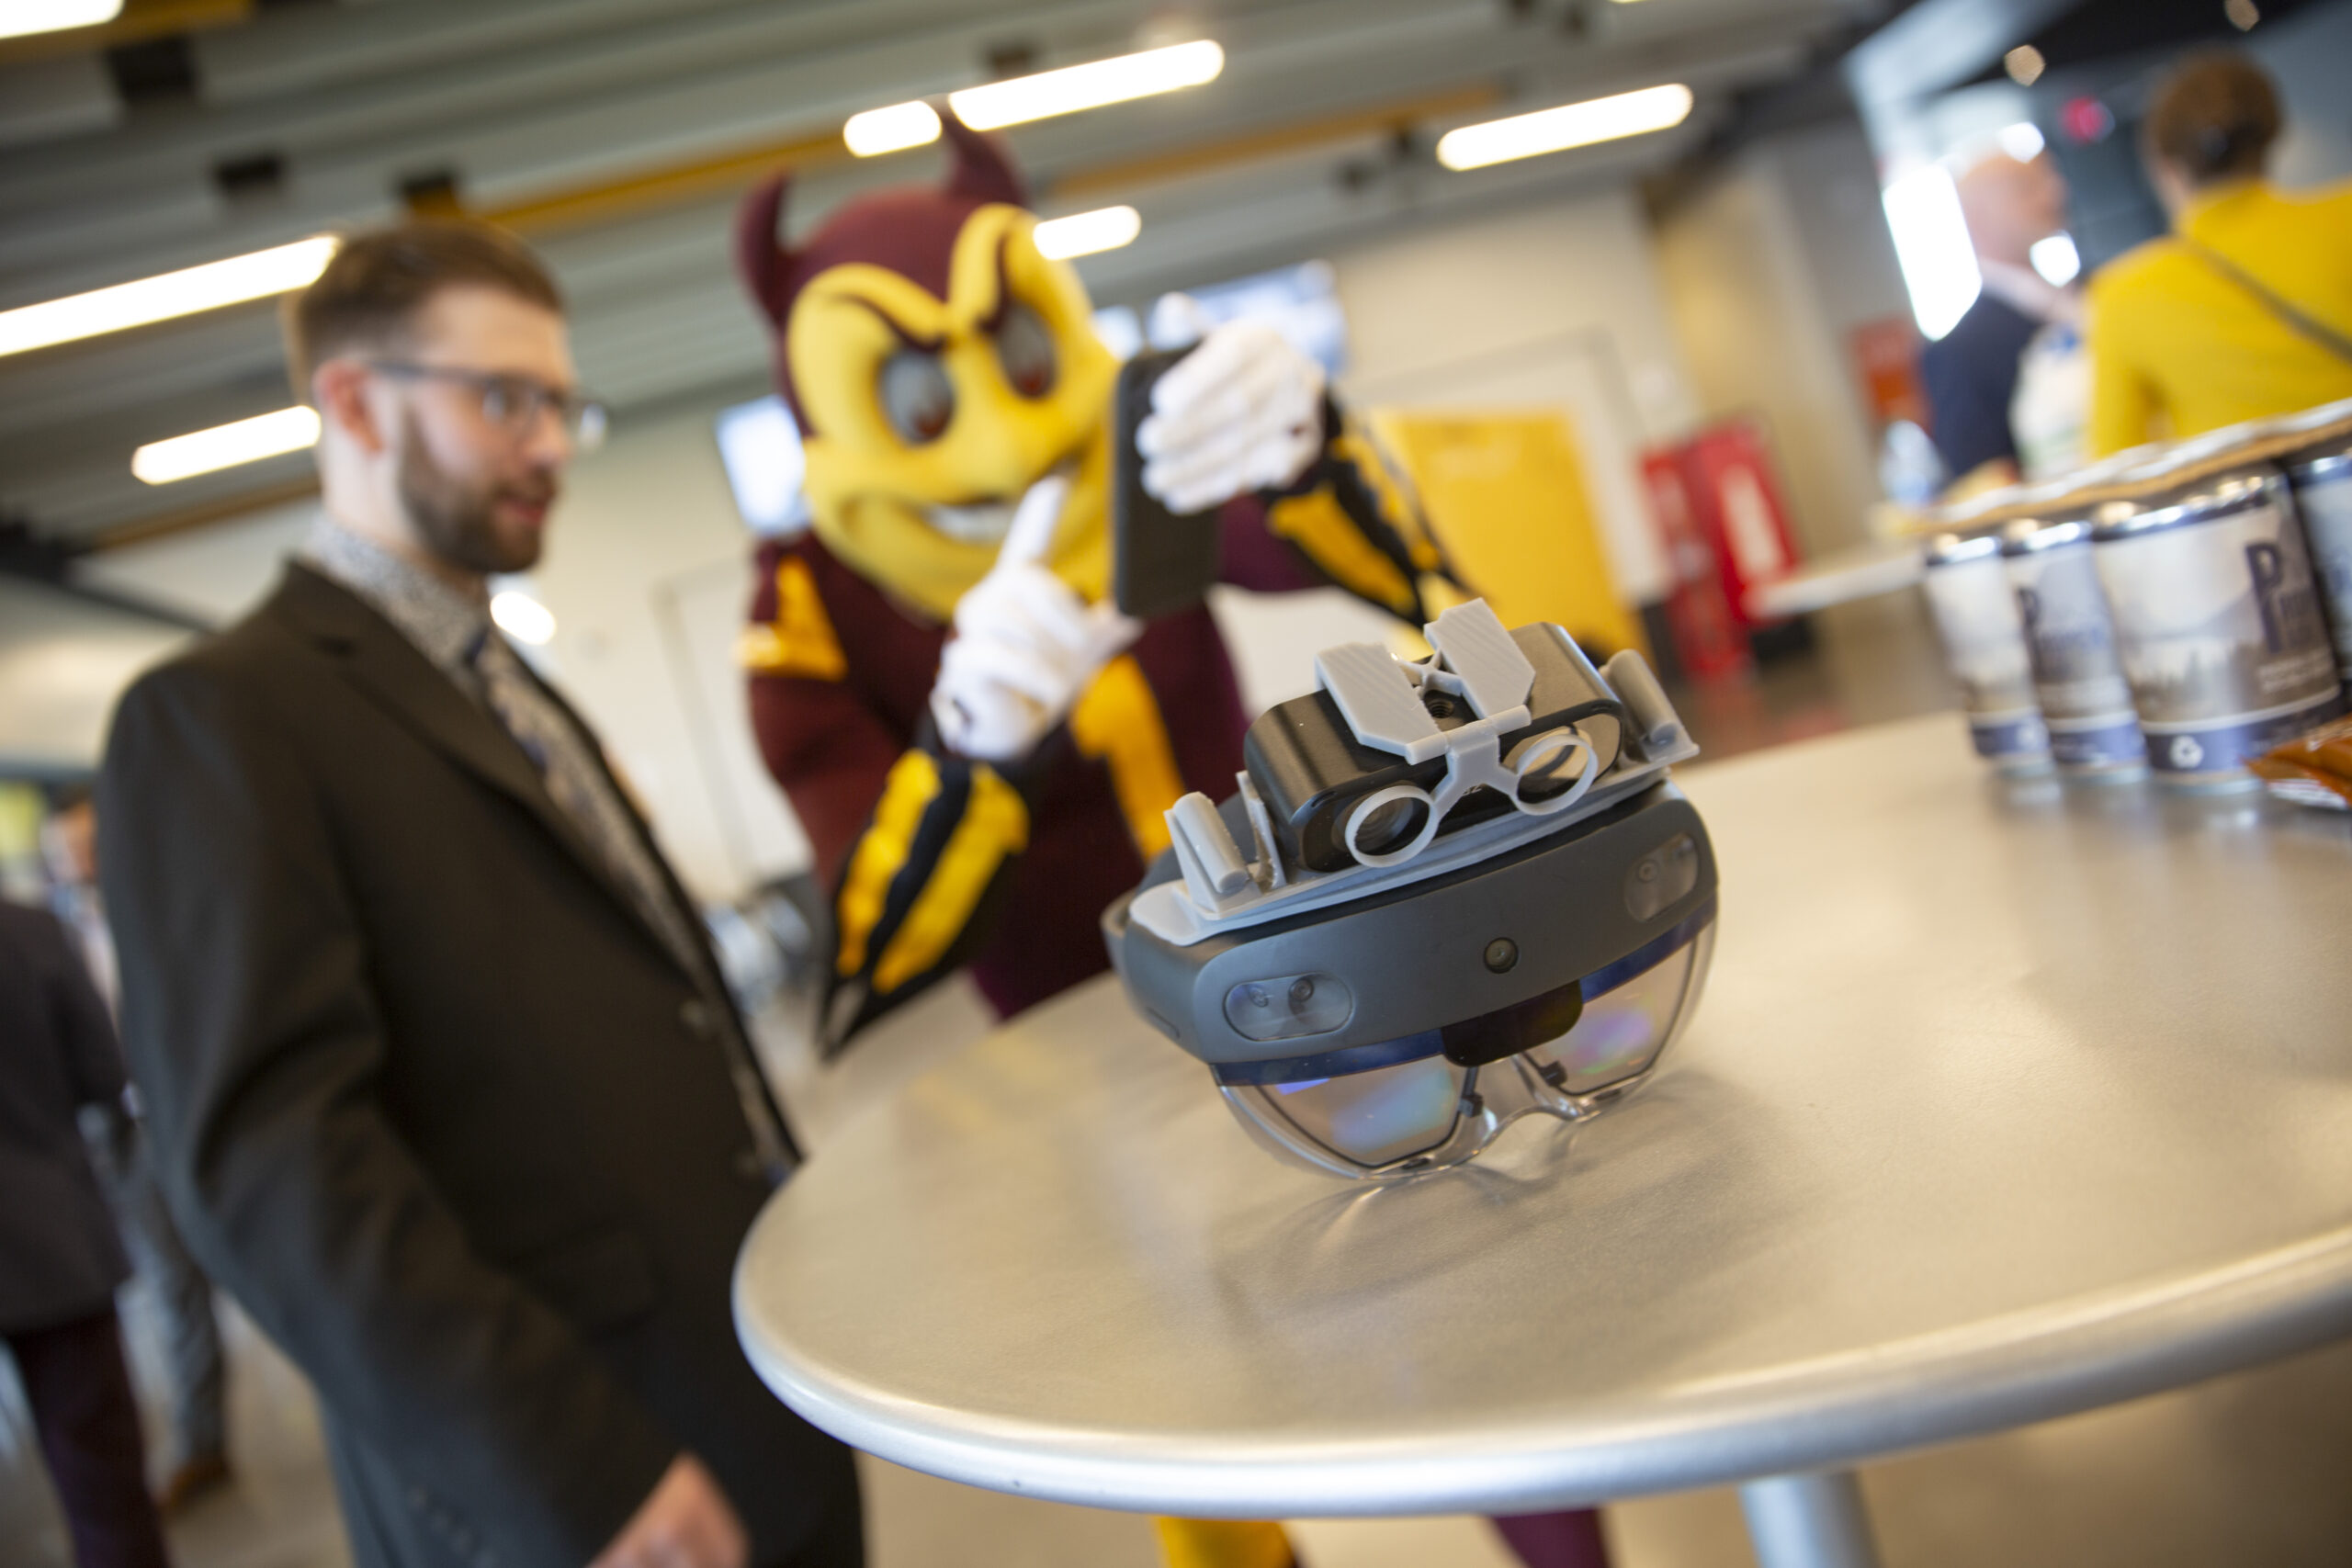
(433, 1101)
(60, 1257)
(1970, 375)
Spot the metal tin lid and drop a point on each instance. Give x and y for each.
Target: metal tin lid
(2321, 465)
(2238, 490)
(1951, 549)
(2027, 536)
(1957, 514)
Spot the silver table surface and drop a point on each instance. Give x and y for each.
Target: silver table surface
(1999, 1106)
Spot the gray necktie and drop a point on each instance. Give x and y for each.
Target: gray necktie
(577, 781)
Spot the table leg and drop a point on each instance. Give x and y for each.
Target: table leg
(1808, 1521)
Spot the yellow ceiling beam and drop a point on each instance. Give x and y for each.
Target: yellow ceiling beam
(613, 201)
(1298, 136)
(668, 186)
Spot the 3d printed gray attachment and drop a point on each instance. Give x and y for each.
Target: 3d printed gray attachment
(1215, 874)
(1226, 885)
(1485, 663)
(1377, 699)
(1655, 728)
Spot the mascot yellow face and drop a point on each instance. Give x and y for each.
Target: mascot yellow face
(938, 366)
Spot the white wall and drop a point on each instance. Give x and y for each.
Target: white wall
(1558, 304)
(1768, 267)
(2310, 54)
(63, 660)
(217, 572)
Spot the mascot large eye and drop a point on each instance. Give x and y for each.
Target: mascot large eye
(1025, 346)
(917, 397)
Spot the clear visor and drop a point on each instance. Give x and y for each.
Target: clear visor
(1409, 1108)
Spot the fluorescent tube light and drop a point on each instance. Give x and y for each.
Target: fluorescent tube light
(1571, 125)
(159, 298)
(523, 617)
(1932, 245)
(1084, 233)
(891, 130)
(19, 17)
(1088, 86)
(2056, 259)
(226, 446)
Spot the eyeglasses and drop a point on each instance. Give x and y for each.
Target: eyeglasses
(512, 404)
(1407, 1105)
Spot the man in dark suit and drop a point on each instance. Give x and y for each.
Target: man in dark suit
(443, 1079)
(1970, 374)
(59, 1258)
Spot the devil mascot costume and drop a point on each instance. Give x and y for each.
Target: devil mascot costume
(979, 746)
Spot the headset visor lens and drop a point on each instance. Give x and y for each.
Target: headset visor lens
(1623, 1028)
(1428, 1109)
(1370, 1119)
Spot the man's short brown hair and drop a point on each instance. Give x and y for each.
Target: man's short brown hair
(2214, 118)
(371, 291)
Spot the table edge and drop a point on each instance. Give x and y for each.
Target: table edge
(1851, 1407)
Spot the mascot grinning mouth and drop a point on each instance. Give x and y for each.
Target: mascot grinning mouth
(972, 523)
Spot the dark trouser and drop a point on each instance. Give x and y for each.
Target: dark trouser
(839, 1542)
(1570, 1540)
(88, 1419)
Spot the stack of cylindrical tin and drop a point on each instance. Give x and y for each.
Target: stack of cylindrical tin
(2176, 612)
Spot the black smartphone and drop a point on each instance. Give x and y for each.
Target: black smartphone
(1161, 561)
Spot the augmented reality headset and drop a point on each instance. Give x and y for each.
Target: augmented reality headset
(1447, 893)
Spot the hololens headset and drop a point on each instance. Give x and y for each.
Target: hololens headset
(1468, 892)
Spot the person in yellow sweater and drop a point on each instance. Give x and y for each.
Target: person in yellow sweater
(2245, 308)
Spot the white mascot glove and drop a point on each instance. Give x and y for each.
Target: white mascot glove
(1025, 643)
(1242, 412)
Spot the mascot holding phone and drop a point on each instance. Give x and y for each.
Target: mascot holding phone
(978, 743)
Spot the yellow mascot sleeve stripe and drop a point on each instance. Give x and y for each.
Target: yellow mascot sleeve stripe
(881, 850)
(801, 640)
(1224, 1544)
(995, 825)
(1119, 721)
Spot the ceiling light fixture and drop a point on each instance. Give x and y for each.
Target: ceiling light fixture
(1084, 233)
(891, 130)
(1931, 245)
(2056, 257)
(1571, 125)
(1076, 88)
(23, 17)
(523, 617)
(226, 446)
(159, 298)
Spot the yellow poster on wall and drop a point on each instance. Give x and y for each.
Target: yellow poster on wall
(1504, 494)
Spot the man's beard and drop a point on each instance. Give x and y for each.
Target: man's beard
(457, 520)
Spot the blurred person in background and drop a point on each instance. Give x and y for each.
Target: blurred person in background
(2245, 308)
(442, 1078)
(1971, 373)
(183, 1294)
(60, 1257)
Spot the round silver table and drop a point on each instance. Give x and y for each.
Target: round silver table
(2003, 1104)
